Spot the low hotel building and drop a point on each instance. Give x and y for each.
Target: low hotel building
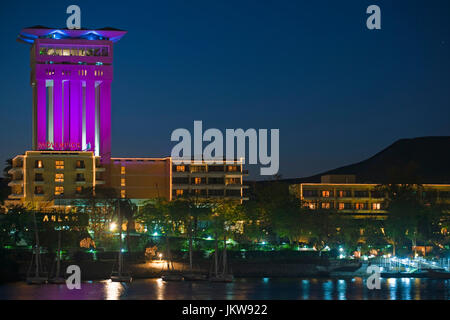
(357, 200)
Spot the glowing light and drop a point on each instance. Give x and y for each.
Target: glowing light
(155, 234)
(113, 226)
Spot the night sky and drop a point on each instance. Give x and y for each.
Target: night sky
(337, 91)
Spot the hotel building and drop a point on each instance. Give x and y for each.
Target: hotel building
(357, 200)
(71, 75)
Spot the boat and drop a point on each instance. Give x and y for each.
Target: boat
(39, 276)
(119, 275)
(339, 267)
(194, 277)
(172, 277)
(57, 279)
(437, 273)
(224, 276)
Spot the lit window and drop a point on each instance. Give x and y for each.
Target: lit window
(39, 164)
(59, 164)
(341, 206)
(59, 190)
(79, 190)
(59, 177)
(376, 206)
(179, 192)
(122, 170)
(181, 168)
(326, 194)
(312, 206)
(360, 206)
(122, 193)
(122, 182)
(198, 180)
(326, 205)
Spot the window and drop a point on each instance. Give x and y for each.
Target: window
(215, 168)
(344, 193)
(310, 193)
(232, 181)
(311, 206)
(59, 190)
(233, 168)
(361, 194)
(38, 190)
(79, 190)
(80, 164)
(179, 192)
(38, 164)
(180, 169)
(344, 206)
(327, 193)
(198, 168)
(59, 164)
(216, 181)
(59, 177)
(122, 194)
(197, 180)
(180, 180)
(376, 206)
(326, 205)
(122, 182)
(360, 206)
(38, 177)
(80, 177)
(122, 170)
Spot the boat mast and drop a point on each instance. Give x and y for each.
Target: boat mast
(224, 254)
(37, 249)
(120, 239)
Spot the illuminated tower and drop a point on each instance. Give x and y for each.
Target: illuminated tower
(71, 74)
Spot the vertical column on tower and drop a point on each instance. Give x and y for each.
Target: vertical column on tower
(66, 114)
(41, 114)
(90, 114)
(105, 121)
(57, 114)
(76, 94)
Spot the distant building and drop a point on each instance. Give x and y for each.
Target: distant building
(358, 200)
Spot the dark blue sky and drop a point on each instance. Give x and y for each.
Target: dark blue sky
(338, 92)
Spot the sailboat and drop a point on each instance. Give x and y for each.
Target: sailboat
(191, 275)
(170, 276)
(39, 277)
(224, 276)
(57, 279)
(118, 275)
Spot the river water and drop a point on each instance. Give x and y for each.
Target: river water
(240, 289)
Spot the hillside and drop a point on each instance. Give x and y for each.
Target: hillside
(418, 160)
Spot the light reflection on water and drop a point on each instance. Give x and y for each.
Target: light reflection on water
(246, 288)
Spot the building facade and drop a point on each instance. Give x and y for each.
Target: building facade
(357, 200)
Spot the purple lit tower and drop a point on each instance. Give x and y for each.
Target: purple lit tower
(71, 74)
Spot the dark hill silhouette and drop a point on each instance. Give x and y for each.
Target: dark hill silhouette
(417, 160)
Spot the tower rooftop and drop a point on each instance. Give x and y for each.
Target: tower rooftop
(28, 35)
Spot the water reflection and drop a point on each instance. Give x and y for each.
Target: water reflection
(305, 289)
(341, 288)
(392, 282)
(249, 288)
(113, 290)
(328, 290)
